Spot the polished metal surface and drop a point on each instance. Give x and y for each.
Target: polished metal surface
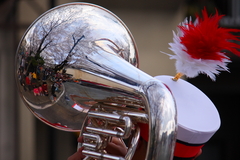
(54, 48)
(84, 61)
(134, 143)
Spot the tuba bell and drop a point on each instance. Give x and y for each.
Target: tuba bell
(76, 71)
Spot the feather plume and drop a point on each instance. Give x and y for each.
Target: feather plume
(199, 46)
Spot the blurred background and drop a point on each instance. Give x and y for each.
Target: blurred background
(23, 137)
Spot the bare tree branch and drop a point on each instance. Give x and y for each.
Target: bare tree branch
(75, 42)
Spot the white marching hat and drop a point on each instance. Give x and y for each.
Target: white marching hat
(197, 117)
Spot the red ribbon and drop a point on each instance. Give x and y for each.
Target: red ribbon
(186, 150)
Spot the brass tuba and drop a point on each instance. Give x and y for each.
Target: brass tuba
(77, 71)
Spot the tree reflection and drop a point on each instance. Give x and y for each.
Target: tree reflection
(48, 40)
(44, 36)
(70, 53)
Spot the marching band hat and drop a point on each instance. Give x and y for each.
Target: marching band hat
(197, 117)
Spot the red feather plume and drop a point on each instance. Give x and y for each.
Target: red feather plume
(200, 46)
(207, 39)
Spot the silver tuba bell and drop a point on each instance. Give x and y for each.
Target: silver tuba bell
(77, 71)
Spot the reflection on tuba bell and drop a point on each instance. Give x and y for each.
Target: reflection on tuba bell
(77, 71)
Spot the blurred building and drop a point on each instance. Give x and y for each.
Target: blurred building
(23, 137)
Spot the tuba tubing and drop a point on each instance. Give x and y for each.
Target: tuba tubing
(91, 57)
(157, 99)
